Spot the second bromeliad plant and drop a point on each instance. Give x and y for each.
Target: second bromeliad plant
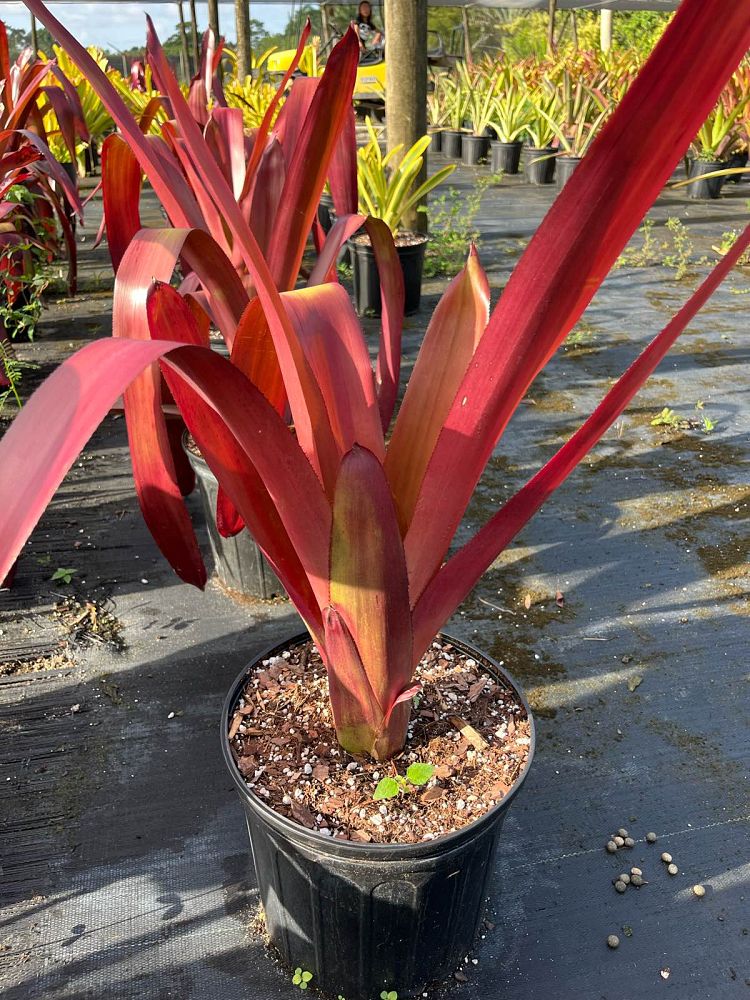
(355, 511)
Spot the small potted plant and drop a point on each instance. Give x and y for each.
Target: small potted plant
(480, 111)
(437, 111)
(539, 154)
(458, 97)
(716, 141)
(582, 113)
(510, 118)
(388, 189)
(357, 512)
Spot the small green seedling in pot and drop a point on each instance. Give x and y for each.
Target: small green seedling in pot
(389, 995)
(388, 788)
(63, 575)
(301, 978)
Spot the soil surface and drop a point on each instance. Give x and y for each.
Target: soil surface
(402, 239)
(473, 731)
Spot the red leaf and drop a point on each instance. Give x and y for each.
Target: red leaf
(267, 191)
(309, 166)
(69, 405)
(335, 348)
(253, 352)
(121, 192)
(368, 574)
(391, 277)
(342, 176)
(269, 446)
(311, 421)
(265, 126)
(572, 251)
(170, 315)
(452, 336)
(456, 578)
(325, 266)
(159, 481)
(181, 212)
(356, 711)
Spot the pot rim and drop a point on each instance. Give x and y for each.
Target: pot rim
(354, 850)
(422, 239)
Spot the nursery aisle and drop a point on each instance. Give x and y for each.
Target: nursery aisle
(623, 609)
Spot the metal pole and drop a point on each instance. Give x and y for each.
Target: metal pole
(605, 29)
(406, 79)
(242, 25)
(196, 43)
(184, 56)
(34, 38)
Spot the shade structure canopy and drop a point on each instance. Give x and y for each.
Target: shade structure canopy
(662, 5)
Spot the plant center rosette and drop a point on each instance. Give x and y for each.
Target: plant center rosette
(469, 739)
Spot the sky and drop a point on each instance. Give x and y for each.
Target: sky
(122, 25)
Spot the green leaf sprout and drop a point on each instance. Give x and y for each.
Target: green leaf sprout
(417, 774)
(301, 978)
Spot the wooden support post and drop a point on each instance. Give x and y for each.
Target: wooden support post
(196, 42)
(213, 17)
(552, 10)
(406, 80)
(242, 24)
(468, 54)
(184, 55)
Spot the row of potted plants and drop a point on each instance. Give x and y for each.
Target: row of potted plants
(355, 511)
(554, 109)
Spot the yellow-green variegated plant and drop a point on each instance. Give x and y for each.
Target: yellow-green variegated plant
(387, 183)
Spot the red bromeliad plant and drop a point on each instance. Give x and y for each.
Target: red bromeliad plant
(359, 530)
(202, 162)
(25, 159)
(255, 193)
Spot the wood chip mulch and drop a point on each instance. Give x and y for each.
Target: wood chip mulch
(470, 728)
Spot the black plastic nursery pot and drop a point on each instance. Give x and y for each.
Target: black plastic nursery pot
(240, 565)
(436, 144)
(366, 918)
(366, 279)
(705, 189)
(539, 165)
(474, 149)
(452, 143)
(505, 156)
(566, 166)
(326, 212)
(735, 161)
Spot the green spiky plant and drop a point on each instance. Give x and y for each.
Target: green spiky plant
(388, 187)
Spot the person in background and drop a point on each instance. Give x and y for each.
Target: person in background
(370, 36)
